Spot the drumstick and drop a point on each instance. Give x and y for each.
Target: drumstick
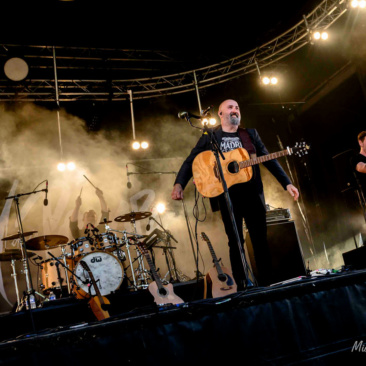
(90, 182)
(81, 191)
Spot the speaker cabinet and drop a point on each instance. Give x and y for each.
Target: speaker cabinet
(286, 254)
(355, 258)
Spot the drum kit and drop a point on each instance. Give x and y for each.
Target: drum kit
(108, 255)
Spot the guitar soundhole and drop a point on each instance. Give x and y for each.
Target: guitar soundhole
(163, 291)
(233, 167)
(222, 277)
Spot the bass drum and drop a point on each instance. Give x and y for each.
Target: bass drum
(107, 271)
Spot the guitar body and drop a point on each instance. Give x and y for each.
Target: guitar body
(221, 288)
(206, 174)
(169, 298)
(96, 307)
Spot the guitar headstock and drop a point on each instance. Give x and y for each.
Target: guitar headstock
(205, 237)
(300, 149)
(142, 248)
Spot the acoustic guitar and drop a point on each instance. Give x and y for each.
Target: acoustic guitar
(221, 279)
(237, 168)
(163, 294)
(99, 304)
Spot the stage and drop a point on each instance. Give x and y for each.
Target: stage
(311, 321)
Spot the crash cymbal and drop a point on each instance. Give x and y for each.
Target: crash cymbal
(133, 216)
(45, 242)
(17, 236)
(15, 254)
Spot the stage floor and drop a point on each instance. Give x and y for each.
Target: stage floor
(317, 320)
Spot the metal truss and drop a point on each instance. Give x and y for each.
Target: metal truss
(101, 74)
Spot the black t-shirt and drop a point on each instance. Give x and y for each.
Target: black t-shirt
(230, 141)
(361, 176)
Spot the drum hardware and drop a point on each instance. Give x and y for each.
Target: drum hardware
(46, 242)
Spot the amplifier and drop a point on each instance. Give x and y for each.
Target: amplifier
(278, 214)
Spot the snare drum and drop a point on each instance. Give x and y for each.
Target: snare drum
(107, 272)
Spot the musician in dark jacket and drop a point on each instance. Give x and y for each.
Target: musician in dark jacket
(247, 198)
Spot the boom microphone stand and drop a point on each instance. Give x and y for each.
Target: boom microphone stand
(215, 148)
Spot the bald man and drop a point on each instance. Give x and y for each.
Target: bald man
(247, 198)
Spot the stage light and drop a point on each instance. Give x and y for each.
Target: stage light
(354, 3)
(160, 207)
(204, 122)
(358, 4)
(266, 80)
(274, 81)
(324, 36)
(61, 167)
(16, 69)
(144, 145)
(135, 145)
(71, 165)
(317, 35)
(362, 3)
(212, 121)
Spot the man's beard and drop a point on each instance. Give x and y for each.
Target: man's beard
(234, 120)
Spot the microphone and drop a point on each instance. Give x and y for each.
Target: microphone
(45, 201)
(129, 185)
(203, 113)
(186, 115)
(148, 225)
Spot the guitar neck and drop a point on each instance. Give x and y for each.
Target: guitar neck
(261, 159)
(151, 265)
(213, 254)
(94, 283)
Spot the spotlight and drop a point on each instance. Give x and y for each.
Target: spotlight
(274, 80)
(71, 165)
(205, 121)
(265, 80)
(144, 145)
(212, 121)
(135, 145)
(317, 35)
(354, 3)
(160, 207)
(324, 36)
(61, 167)
(362, 3)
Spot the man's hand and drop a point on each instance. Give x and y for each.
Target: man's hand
(99, 193)
(177, 193)
(78, 202)
(293, 191)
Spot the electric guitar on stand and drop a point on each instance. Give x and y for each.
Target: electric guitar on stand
(221, 279)
(163, 294)
(237, 168)
(99, 304)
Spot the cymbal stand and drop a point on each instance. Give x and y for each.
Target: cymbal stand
(130, 259)
(63, 250)
(141, 271)
(14, 275)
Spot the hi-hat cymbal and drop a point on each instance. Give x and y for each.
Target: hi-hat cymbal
(133, 216)
(14, 254)
(17, 236)
(45, 242)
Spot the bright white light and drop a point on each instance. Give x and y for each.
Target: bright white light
(61, 167)
(160, 207)
(324, 36)
(136, 145)
(71, 165)
(274, 80)
(266, 80)
(354, 3)
(362, 3)
(205, 122)
(212, 121)
(144, 145)
(317, 35)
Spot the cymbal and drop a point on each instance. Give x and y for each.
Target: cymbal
(17, 236)
(133, 216)
(45, 242)
(15, 254)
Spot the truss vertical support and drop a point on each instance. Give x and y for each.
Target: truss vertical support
(132, 115)
(197, 92)
(58, 103)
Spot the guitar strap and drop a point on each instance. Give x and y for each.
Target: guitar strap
(247, 142)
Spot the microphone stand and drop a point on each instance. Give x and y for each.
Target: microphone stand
(184, 211)
(166, 250)
(215, 148)
(28, 276)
